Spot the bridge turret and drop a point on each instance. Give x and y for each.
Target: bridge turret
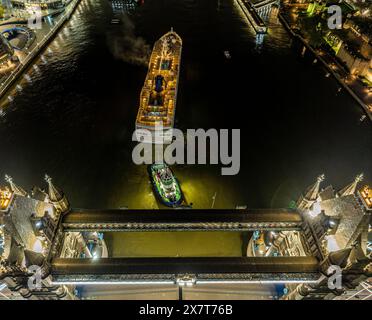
(350, 189)
(15, 188)
(56, 197)
(311, 195)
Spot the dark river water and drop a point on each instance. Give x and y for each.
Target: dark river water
(74, 120)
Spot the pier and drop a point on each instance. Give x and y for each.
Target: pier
(252, 16)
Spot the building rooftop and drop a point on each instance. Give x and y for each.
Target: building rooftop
(351, 215)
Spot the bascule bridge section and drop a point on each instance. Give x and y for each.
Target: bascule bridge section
(47, 241)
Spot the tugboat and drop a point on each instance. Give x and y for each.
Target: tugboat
(165, 185)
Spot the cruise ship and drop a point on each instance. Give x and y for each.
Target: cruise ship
(155, 118)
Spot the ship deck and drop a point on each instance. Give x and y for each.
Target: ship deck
(158, 106)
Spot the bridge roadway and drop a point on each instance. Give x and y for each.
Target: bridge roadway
(181, 220)
(200, 269)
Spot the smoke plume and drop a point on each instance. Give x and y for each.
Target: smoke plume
(125, 45)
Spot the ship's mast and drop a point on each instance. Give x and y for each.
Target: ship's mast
(165, 51)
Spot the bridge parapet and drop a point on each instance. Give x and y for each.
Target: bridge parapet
(182, 220)
(202, 269)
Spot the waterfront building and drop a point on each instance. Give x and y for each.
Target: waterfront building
(351, 44)
(356, 50)
(354, 53)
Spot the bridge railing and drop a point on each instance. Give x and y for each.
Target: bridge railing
(221, 269)
(176, 220)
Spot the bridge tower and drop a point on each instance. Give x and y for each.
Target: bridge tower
(291, 242)
(56, 197)
(337, 235)
(311, 195)
(27, 230)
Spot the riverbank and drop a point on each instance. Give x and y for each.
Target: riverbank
(34, 52)
(340, 80)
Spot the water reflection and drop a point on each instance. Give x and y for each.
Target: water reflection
(76, 118)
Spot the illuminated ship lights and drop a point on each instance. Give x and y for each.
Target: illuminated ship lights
(165, 184)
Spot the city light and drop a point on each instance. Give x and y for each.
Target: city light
(5, 198)
(366, 194)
